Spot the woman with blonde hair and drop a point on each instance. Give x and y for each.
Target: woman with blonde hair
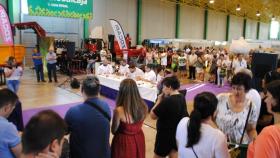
(129, 115)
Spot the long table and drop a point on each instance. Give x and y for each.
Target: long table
(110, 85)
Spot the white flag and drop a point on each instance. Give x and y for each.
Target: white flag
(118, 31)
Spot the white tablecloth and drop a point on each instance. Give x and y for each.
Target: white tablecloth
(147, 90)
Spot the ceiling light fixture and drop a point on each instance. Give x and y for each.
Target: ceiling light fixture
(258, 13)
(238, 8)
(211, 1)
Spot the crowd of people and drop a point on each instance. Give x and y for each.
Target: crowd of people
(203, 64)
(241, 116)
(208, 64)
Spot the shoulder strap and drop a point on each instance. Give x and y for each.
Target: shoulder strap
(194, 152)
(105, 114)
(244, 130)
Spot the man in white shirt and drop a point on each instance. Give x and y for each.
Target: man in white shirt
(192, 59)
(123, 69)
(105, 68)
(51, 64)
(239, 64)
(150, 75)
(134, 72)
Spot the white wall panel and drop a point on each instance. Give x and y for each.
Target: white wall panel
(251, 29)
(158, 19)
(191, 22)
(216, 26)
(235, 28)
(124, 11)
(264, 30)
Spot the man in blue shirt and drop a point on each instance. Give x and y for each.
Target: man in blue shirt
(89, 123)
(38, 64)
(10, 145)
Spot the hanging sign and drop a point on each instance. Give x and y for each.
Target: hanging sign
(61, 8)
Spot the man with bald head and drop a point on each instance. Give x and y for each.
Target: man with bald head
(51, 64)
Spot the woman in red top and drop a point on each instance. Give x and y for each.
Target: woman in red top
(267, 144)
(129, 115)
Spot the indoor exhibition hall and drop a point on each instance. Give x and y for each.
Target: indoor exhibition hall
(139, 79)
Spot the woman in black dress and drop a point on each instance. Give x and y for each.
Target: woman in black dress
(169, 109)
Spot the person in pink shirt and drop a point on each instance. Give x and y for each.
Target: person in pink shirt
(267, 144)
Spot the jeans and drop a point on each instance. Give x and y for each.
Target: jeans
(52, 71)
(39, 72)
(13, 85)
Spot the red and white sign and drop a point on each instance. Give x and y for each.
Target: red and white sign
(6, 36)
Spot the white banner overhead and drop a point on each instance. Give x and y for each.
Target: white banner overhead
(119, 34)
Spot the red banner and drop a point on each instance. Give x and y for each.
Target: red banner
(6, 36)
